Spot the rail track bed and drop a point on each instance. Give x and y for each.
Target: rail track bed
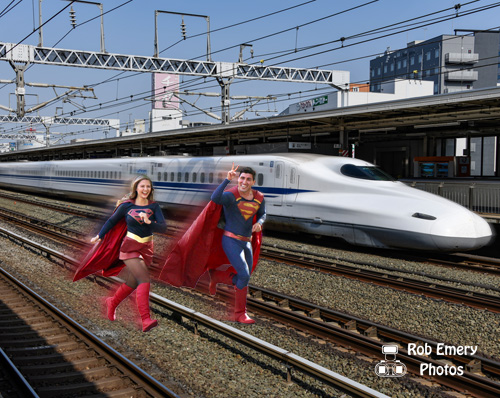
(58, 357)
(376, 333)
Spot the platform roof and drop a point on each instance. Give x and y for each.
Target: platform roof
(456, 114)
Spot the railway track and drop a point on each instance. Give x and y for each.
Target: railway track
(383, 278)
(293, 361)
(57, 357)
(464, 261)
(363, 337)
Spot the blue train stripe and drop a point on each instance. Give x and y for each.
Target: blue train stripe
(270, 192)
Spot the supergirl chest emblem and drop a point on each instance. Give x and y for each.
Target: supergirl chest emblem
(248, 209)
(136, 214)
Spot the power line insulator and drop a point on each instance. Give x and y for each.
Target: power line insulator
(72, 17)
(183, 29)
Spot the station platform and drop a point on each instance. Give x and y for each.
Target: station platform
(478, 195)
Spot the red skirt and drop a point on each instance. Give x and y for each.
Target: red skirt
(131, 248)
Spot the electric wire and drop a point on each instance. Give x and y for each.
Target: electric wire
(359, 35)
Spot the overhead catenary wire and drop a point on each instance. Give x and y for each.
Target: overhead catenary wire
(119, 104)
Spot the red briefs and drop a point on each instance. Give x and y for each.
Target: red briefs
(133, 246)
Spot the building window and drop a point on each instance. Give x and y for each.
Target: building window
(392, 67)
(373, 72)
(378, 70)
(399, 64)
(412, 60)
(404, 63)
(436, 53)
(385, 68)
(428, 56)
(420, 58)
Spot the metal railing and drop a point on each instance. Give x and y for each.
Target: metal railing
(483, 197)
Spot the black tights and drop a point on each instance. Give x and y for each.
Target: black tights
(136, 272)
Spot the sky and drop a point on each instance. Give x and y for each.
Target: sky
(298, 33)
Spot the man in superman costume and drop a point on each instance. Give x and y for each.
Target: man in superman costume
(206, 247)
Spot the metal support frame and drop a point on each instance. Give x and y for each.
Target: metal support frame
(132, 63)
(183, 14)
(20, 87)
(224, 72)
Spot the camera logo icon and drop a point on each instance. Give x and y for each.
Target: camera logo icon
(390, 367)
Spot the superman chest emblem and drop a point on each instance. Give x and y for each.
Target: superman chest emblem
(136, 214)
(248, 209)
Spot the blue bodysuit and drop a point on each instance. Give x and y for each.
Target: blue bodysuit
(239, 214)
(135, 225)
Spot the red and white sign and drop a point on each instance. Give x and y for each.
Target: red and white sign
(164, 84)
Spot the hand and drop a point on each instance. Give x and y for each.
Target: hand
(145, 218)
(95, 239)
(257, 227)
(231, 173)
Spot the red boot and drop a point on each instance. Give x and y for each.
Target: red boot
(143, 306)
(216, 277)
(240, 306)
(112, 302)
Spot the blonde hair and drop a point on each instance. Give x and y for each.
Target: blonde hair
(132, 195)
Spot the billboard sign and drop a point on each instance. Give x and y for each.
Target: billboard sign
(164, 84)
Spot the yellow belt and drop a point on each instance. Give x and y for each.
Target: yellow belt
(138, 238)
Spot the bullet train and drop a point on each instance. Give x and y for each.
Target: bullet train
(320, 195)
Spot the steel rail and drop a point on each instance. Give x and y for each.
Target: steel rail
(295, 361)
(16, 377)
(430, 289)
(143, 380)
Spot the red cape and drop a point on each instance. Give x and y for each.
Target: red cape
(104, 255)
(200, 249)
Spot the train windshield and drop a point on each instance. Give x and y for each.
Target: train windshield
(365, 172)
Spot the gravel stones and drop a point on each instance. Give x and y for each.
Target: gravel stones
(211, 365)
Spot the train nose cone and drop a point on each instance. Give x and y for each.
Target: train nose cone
(466, 231)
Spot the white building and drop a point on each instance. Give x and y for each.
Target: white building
(359, 95)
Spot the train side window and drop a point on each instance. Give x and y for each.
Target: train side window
(293, 176)
(260, 179)
(278, 170)
(179, 176)
(211, 177)
(107, 174)
(165, 176)
(172, 176)
(116, 175)
(159, 176)
(202, 177)
(194, 177)
(219, 178)
(120, 175)
(186, 177)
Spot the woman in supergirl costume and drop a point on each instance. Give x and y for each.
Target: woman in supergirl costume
(126, 242)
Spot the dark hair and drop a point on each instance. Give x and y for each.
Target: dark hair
(248, 170)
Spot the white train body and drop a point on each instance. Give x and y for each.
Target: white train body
(320, 195)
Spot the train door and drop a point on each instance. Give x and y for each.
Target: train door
(279, 182)
(292, 183)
